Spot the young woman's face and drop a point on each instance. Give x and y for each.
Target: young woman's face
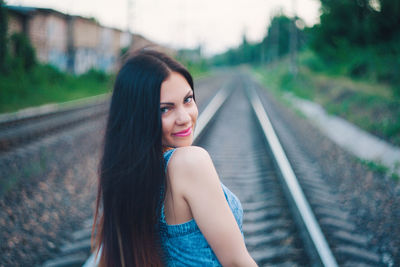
(178, 111)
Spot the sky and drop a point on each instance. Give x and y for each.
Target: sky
(215, 24)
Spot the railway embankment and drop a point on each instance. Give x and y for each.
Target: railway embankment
(368, 194)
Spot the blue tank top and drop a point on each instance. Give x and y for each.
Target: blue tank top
(184, 244)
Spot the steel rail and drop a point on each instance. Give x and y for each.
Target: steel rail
(313, 230)
(202, 122)
(211, 109)
(53, 108)
(49, 109)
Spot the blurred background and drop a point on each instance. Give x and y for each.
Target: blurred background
(342, 55)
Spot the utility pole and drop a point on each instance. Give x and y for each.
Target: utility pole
(129, 20)
(276, 43)
(129, 15)
(262, 55)
(293, 42)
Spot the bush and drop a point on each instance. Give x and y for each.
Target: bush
(380, 63)
(298, 84)
(24, 56)
(312, 61)
(48, 74)
(96, 75)
(46, 84)
(3, 36)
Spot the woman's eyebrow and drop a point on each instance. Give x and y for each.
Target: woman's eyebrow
(171, 104)
(167, 103)
(188, 93)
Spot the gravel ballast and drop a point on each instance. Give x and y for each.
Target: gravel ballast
(371, 198)
(38, 216)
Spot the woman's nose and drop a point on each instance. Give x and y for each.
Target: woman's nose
(183, 116)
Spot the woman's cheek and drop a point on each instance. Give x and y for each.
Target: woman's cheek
(164, 125)
(195, 113)
(168, 124)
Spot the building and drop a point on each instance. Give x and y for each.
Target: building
(46, 29)
(73, 43)
(83, 42)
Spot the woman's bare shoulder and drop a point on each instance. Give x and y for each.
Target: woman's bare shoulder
(192, 172)
(189, 159)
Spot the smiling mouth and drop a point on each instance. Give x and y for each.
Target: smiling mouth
(186, 132)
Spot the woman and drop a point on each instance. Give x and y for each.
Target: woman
(160, 200)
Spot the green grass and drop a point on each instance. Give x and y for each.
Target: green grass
(372, 106)
(198, 70)
(45, 84)
(379, 168)
(375, 166)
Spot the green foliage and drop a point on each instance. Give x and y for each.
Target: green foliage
(124, 51)
(395, 177)
(25, 83)
(357, 23)
(16, 51)
(50, 73)
(380, 63)
(313, 61)
(95, 75)
(3, 36)
(377, 114)
(46, 84)
(375, 166)
(358, 38)
(245, 53)
(279, 79)
(198, 69)
(370, 105)
(278, 38)
(193, 61)
(274, 45)
(298, 84)
(24, 55)
(342, 21)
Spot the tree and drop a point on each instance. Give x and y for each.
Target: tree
(359, 23)
(274, 45)
(23, 52)
(3, 36)
(386, 19)
(277, 41)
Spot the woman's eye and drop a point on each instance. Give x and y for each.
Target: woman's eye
(188, 99)
(164, 110)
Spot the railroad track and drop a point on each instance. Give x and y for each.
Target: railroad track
(24, 127)
(284, 224)
(30, 135)
(21, 128)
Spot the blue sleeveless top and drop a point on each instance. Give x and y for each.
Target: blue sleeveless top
(184, 244)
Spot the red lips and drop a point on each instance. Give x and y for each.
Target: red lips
(186, 132)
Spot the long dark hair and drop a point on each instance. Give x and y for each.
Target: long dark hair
(132, 176)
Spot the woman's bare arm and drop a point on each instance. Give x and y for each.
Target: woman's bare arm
(202, 190)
